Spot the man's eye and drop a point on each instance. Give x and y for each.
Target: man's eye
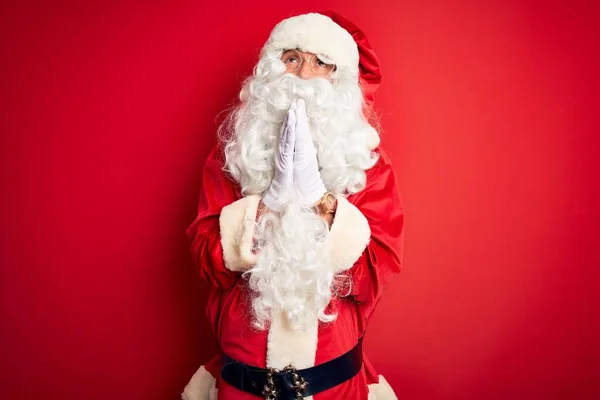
(321, 63)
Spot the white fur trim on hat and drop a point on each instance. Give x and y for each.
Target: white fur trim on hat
(318, 34)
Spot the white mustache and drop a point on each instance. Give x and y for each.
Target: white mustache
(282, 92)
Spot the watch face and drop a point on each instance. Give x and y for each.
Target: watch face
(330, 201)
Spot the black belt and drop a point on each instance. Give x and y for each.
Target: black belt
(290, 383)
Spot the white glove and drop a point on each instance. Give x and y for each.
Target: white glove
(307, 178)
(282, 185)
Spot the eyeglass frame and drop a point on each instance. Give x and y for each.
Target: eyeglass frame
(309, 60)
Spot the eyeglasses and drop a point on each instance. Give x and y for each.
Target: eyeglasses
(293, 62)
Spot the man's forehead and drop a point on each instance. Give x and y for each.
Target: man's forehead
(303, 53)
(299, 51)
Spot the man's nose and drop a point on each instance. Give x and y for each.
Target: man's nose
(305, 71)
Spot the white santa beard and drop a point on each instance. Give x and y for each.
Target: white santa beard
(292, 275)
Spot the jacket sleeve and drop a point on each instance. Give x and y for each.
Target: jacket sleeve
(220, 236)
(367, 234)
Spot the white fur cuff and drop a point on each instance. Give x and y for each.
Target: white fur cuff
(348, 237)
(381, 390)
(200, 387)
(373, 138)
(237, 228)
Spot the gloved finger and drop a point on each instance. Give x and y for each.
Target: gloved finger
(302, 119)
(301, 103)
(301, 112)
(283, 127)
(304, 143)
(286, 144)
(283, 131)
(293, 106)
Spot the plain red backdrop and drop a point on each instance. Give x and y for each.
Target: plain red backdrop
(490, 111)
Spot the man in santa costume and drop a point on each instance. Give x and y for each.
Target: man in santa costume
(299, 224)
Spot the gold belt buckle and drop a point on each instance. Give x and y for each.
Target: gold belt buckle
(269, 391)
(299, 384)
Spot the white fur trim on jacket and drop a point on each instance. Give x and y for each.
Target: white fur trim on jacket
(202, 387)
(237, 223)
(287, 346)
(318, 34)
(348, 237)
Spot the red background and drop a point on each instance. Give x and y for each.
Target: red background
(490, 110)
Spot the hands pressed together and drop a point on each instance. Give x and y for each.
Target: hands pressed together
(296, 166)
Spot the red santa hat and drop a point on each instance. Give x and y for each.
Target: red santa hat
(329, 34)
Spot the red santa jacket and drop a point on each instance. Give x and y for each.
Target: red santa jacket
(365, 240)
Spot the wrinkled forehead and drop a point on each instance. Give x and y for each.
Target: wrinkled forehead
(316, 34)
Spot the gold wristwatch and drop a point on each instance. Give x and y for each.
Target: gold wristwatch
(327, 204)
